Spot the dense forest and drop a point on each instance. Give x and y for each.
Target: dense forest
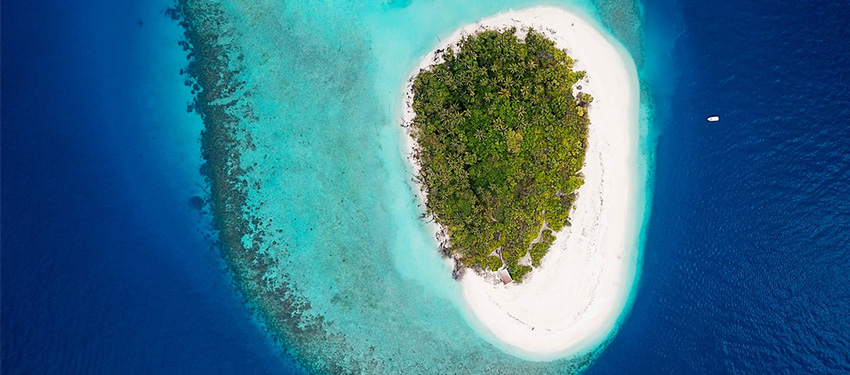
(501, 141)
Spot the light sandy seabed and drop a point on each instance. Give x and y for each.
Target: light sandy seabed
(572, 302)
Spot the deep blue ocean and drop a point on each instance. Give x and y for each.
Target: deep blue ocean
(108, 266)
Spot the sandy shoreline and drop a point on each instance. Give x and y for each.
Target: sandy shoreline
(572, 302)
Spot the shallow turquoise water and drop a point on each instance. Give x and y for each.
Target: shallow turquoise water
(302, 109)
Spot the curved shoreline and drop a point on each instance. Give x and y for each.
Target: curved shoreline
(572, 302)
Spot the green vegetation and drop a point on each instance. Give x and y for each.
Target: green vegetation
(538, 250)
(501, 141)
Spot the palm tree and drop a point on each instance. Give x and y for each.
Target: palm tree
(479, 134)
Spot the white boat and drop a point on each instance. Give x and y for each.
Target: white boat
(714, 118)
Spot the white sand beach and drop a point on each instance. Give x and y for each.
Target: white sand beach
(572, 302)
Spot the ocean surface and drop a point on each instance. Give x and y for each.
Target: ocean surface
(111, 262)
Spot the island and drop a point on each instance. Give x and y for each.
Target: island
(500, 141)
(523, 133)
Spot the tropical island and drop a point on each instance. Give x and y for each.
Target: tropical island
(509, 154)
(501, 141)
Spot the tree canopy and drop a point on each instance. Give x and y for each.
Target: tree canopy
(501, 142)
